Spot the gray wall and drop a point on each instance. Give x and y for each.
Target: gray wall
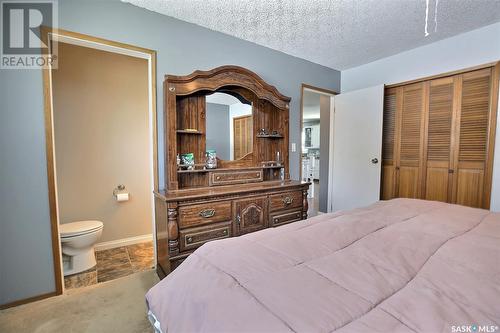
(218, 129)
(27, 270)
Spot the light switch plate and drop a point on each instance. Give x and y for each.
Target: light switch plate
(294, 147)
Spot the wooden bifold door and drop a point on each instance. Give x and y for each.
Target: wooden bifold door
(438, 138)
(242, 136)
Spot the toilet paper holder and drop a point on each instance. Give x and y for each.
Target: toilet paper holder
(118, 189)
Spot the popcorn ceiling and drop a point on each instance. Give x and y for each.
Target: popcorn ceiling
(335, 33)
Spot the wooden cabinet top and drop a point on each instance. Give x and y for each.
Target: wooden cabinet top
(211, 192)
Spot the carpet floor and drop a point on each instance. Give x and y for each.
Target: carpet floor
(114, 306)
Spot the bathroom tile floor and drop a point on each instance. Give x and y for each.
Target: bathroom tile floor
(113, 264)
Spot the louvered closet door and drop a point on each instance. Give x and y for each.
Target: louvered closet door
(439, 177)
(472, 137)
(408, 179)
(389, 144)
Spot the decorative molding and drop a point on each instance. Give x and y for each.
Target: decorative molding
(173, 230)
(223, 76)
(123, 242)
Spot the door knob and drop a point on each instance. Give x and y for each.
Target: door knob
(375, 160)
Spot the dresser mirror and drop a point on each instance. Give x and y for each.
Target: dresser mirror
(229, 125)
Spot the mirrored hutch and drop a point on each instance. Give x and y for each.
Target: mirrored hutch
(226, 162)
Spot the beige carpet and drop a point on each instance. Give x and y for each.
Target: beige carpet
(114, 306)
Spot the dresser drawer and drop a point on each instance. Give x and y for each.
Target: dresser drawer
(235, 177)
(285, 217)
(287, 200)
(195, 237)
(195, 215)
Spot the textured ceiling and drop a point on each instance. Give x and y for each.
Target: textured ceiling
(336, 33)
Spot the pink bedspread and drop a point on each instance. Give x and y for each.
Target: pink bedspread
(396, 266)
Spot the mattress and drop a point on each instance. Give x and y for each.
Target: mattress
(397, 266)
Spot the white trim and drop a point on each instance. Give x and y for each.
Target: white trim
(99, 46)
(319, 92)
(330, 155)
(60, 37)
(123, 242)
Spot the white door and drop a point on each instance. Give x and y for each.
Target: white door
(357, 148)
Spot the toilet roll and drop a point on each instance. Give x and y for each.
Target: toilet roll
(121, 197)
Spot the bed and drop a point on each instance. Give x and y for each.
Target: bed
(402, 265)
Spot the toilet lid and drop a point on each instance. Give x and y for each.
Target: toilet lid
(79, 228)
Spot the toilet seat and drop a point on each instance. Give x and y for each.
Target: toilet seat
(79, 228)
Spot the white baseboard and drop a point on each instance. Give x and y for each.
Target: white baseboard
(123, 242)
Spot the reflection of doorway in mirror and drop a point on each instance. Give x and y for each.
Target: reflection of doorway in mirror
(242, 136)
(221, 111)
(235, 111)
(307, 142)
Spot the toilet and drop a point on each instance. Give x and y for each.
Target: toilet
(78, 240)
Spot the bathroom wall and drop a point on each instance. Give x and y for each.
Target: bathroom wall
(218, 129)
(182, 48)
(102, 139)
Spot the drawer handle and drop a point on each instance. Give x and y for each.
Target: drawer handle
(207, 213)
(189, 240)
(224, 232)
(257, 174)
(287, 201)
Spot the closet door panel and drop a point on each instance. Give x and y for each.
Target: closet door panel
(389, 142)
(439, 138)
(410, 151)
(470, 187)
(388, 182)
(473, 131)
(437, 182)
(408, 182)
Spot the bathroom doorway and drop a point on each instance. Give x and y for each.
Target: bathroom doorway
(316, 111)
(102, 157)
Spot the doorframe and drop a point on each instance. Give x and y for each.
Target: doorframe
(315, 89)
(60, 35)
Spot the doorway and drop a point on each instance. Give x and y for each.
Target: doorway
(100, 114)
(316, 112)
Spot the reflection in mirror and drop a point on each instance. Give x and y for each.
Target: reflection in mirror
(229, 129)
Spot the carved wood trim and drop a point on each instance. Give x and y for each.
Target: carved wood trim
(305, 204)
(226, 76)
(173, 229)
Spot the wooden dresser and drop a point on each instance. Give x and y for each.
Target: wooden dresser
(187, 219)
(234, 112)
